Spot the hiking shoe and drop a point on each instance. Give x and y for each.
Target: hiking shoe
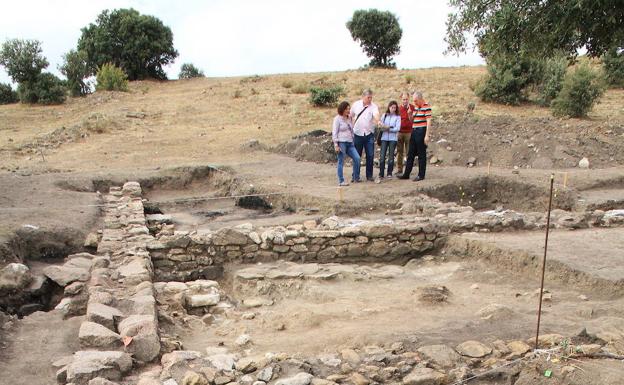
(418, 179)
(343, 184)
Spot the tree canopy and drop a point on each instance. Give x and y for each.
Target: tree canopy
(22, 59)
(139, 44)
(536, 27)
(379, 34)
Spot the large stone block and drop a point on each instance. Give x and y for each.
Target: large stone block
(93, 335)
(225, 236)
(90, 364)
(145, 343)
(379, 230)
(64, 275)
(103, 314)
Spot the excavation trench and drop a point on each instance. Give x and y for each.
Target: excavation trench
(491, 192)
(36, 249)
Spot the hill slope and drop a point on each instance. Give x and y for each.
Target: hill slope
(160, 124)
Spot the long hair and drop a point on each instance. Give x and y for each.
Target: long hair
(395, 104)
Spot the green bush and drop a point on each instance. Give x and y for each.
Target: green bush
(507, 79)
(613, 62)
(287, 84)
(551, 81)
(328, 96)
(76, 71)
(409, 78)
(46, 89)
(581, 89)
(189, 71)
(111, 78)
(7, 95)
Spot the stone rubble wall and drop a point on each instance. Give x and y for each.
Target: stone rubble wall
(121, 325)
(187, 256)
(456, 218)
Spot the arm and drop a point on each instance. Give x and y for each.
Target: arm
(428, 132)
(335, 127)
(396, 126)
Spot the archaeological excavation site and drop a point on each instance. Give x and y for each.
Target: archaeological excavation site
(205, 275)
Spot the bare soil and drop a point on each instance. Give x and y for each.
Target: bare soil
(172, 136)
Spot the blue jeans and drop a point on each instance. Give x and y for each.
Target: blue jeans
(348, 149)
(366, 143)
(386, 146)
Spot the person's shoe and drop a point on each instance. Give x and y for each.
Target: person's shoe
(418, 179)
(389, 177)
(402, 176)
(370, 179)
(343, 184)
(356, 181)
(378, 180)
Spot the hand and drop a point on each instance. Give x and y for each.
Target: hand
(427, 139)
(337, 148)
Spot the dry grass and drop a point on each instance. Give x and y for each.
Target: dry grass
(199, 120)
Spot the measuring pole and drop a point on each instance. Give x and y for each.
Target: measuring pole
(539, 310)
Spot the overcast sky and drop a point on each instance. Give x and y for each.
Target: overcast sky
(244, 37)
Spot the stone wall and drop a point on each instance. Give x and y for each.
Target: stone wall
(188, 256)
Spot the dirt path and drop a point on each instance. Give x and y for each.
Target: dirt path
(36, 342)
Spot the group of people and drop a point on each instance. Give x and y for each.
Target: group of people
(404, 128)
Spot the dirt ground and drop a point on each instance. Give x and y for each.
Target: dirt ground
(53, 160)
(316, 316)
(36, 342)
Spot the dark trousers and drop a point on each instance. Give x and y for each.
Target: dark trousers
(417, 147)
(386, 147)
(366, 143)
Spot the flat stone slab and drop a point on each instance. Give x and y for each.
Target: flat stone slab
(64, 275)
(604, 259)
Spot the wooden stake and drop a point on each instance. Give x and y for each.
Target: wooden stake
(340, 195)
(539, 310)
(489, 164)
(565, 179)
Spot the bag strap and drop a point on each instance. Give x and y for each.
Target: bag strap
(360, 114)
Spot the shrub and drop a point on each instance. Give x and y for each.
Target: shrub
(409, 78)
(551, 81)
(613, 62)
(7, 95)
(188, 71)
(287, 84)
(507, 79)
(111, 78)
(237, 94)
(46, 89)
(300, 88)
(76, 70)
(252, 79)
(581, 89)
(325, 96)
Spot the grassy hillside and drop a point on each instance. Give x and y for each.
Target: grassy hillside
(206, 119)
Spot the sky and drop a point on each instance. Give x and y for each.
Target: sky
(245, 37)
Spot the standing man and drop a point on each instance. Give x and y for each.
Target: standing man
(365, 116)
(405, 110)
(421, 135)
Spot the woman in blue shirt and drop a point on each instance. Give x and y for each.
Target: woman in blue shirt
(391, 124)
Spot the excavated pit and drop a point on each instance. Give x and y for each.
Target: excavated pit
(491, 192)
(36, 249)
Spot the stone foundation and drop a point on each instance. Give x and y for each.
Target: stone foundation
(186, 256)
